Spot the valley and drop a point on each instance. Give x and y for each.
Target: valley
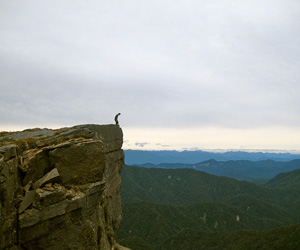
(161, 206)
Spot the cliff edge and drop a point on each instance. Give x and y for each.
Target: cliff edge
(61, 189)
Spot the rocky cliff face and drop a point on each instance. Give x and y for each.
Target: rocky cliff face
(60, 189)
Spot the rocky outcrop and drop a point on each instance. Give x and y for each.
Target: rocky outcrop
(60, 189)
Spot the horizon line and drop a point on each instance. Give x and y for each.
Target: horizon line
(268, 151)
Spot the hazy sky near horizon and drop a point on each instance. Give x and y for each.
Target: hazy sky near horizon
(184, 74)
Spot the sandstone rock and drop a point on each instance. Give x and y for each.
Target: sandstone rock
(113, 176)
(119, 247)
(96, 187)
(30, 133)
(10, 188)
(49, 195)
(9, 151)
(34, 216)
(79, 163)
(28, 186)
(52, 176)
(75, 209)
(110, 135)
(35, 164)
(28, 200)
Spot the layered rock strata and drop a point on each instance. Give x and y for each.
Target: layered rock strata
(60, 189)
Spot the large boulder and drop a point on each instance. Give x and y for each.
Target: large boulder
(79, 162)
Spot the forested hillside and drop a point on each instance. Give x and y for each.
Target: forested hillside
(287, 238)
(240, 170)
(286, 180)
(162, 205)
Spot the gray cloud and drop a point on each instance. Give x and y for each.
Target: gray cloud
(162, 145)
(185, 64)
(141, 144)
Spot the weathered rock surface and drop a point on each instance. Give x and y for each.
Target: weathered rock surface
(60, 189)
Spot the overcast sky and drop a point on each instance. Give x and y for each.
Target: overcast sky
(183, 74)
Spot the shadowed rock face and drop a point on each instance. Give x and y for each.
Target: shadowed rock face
(60, 189)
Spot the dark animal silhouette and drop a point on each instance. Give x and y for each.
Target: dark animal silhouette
(116, 118)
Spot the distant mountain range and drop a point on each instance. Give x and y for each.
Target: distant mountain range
(170, 209)
(134, 157)
(254, 171)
